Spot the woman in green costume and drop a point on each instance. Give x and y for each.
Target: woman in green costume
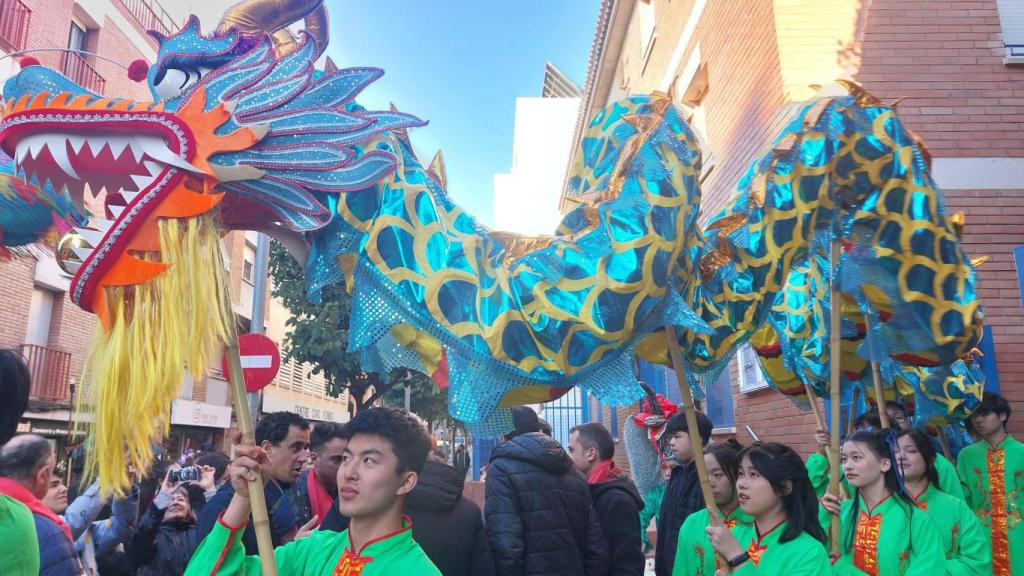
(963, 537)
(786, 539)
(694, 554)
(883, 533)
(817, 463)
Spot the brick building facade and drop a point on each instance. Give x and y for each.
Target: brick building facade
(742, 66)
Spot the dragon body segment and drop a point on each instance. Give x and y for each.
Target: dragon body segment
(255, 137)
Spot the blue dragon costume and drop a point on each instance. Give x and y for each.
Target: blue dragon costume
(245, 133)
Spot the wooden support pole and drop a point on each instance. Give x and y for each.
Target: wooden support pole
(696, 442)
(876, 377)
(944, 442)
(851, 422)
(258, 501)
(819, 421)
(835, 357)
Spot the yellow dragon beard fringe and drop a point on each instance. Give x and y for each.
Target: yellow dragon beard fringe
(158, 330)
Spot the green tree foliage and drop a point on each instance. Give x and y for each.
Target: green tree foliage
(319, 337)
(425, 398)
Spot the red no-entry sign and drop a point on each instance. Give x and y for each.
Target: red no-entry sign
(260, 360)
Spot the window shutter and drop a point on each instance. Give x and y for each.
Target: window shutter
(1011, 18)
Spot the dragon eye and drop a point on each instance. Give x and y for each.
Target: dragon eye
(177, 81)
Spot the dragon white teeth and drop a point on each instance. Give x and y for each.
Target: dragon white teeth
(128, 196)
(76, 142)
(160, 152)
(141, 181)
(36, 143)
(59, 151)
(117, 144)
(82, 253)
(93, 237)
(116, 211)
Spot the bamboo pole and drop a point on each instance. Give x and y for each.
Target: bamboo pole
(835, 356)
(696, 442)
(258, 501)
(851, 421)
(944, 442)
(820, 423)
(876, 377)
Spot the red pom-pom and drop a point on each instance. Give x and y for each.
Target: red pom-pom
(138, 70)
(28, 61)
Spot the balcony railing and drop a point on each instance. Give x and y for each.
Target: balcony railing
(14, 16)
(82, 73)
(50, 369)
(151, 15)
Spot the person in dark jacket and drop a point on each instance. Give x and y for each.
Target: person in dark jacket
(539, 515)
(461, 460)
(616, 499)
(166, 537)
(285, 438)
(26, 465)
(682, 495)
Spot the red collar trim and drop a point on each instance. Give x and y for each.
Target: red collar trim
(917, 497)
(999, 446)
(761, 536)
(406, 526)
(871, 510)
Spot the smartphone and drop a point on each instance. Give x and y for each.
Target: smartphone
(190, 474)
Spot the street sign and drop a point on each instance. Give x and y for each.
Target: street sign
(260, 360)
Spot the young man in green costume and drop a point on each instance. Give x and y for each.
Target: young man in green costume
(379, 468)
(992, 472)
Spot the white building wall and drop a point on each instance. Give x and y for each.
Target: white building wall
(526, 198)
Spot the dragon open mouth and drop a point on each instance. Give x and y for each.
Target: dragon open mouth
(121, 165)
(125, 150)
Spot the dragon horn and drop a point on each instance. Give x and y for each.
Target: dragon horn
(273, 15)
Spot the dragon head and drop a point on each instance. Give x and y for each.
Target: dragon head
(243, 133)
(240, 120)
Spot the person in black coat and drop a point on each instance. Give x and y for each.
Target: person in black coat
(682, 495)
(448, 527)
(539, 515)
(616, 499)
(166, 537)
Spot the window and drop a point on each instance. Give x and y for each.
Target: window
(565, 413)
(692, 86)
(662, 380)
(751, 377)
(78, 37)
(719, 402)
(248, 263)
(1011, 19)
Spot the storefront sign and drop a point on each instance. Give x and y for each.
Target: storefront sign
(309, 412)
(190, 413)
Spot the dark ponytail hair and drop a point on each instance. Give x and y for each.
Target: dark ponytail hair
(728, 455)
(875, 440)
(926, 449)
(779, 464)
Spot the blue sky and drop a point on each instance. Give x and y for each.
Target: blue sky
(460, 64)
